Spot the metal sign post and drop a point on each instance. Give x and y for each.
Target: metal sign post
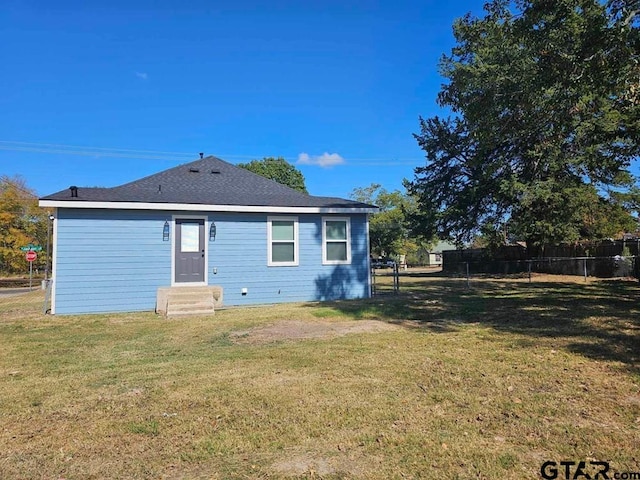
(31, 256)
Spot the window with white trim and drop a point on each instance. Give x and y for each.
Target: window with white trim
(336, 240)
(282, 233)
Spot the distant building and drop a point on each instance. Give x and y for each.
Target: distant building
(434, 256)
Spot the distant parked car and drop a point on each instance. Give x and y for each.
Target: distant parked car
(383, 263)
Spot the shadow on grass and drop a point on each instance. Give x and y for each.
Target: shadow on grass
(599, 320)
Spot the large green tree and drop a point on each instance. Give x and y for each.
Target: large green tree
(21, 222)
(545, 121)
(277, 169)
(389, 233)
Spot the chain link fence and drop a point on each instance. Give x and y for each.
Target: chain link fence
(616, 266)
(601, 259)
(465, 263)
(385, 281)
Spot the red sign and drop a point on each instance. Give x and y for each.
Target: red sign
(31, 256)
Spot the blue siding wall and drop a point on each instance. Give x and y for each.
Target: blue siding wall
(109, 261)
(239, 255)
(112, 260)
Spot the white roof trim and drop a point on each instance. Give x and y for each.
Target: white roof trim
(191, 207)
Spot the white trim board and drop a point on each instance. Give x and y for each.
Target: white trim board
(54, 261)
(193, 207)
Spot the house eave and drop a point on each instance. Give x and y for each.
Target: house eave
(193, 207)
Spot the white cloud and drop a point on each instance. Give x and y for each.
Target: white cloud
(325, 160)
(142, 75)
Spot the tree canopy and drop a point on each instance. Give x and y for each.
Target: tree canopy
(388, 229)
(277, 169)
(545, 121)
(21, 222)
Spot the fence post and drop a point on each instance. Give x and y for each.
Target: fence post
(373, 282)
(47, 296)
(396, 278)
(467, 264)
(585, 269)
(393, 278)
(529, 262)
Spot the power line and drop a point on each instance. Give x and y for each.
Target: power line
(53, 148)
(92, 148)
(87, 153)
(61, 149)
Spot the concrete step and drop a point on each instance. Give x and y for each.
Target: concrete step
(191, 298)
(174, 301)
(191, 313)
(196, 305)
(196, 309)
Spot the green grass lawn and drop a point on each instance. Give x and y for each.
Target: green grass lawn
(481, 383)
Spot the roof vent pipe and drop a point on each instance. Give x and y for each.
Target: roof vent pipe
(201, 155)
(74, 191)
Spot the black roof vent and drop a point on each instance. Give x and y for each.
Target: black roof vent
(215, 171)
(194, 170)
(74, 191)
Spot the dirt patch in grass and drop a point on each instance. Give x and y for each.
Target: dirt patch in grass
(303, 330)
(309, 466)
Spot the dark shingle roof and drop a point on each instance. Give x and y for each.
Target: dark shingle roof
(208, 181)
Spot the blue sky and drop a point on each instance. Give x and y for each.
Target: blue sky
(102, 93)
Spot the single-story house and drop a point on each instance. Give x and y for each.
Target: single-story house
(434, 256)
(203, 224)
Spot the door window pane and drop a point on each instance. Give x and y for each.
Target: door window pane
(189, 237)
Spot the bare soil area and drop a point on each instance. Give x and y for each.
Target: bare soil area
(302, 330)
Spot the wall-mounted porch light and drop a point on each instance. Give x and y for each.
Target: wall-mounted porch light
(212, 232)
(165, 231)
